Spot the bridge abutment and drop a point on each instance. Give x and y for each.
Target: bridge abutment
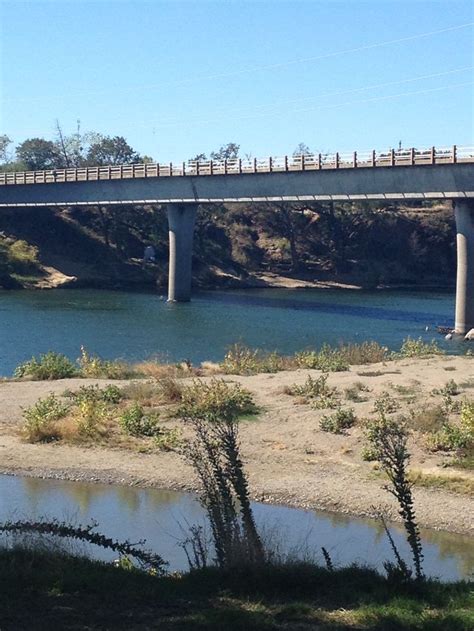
(181, 220)
(464, 213)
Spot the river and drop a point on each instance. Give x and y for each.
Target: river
(162, 517)
(136, 326)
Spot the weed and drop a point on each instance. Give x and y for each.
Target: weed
(241, 360)
(456, 437)
(40, 419)
(353, 393)
(451, 389)
(418, 348)
(389, 439)
(385, 404)
(89, 416)
(110, 394)
(326, 359)
(94, 366)
(317, 391)
(428, 419)
(135, 422)
(167, 439)
(142, 391)
(169, 390)
(216, 399)
(48, 366)
(339, 421)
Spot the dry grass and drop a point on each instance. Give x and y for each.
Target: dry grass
(453, 483)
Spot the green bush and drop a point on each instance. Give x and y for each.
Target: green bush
(419, 348)
(241, 360)
(90, 415)
(48, 366)
(337, 422)
(385, 404)
(135, 422)
(96, 367)
(353, 393)
(453, 437)
(110, 394)
(40, 419)
(326, 359)
(23, 257)
(216, 399)
(450, 389)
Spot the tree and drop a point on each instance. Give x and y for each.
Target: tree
(302, 150)
(4, 142)
(108, 151)
(39, 154)
(226, 152)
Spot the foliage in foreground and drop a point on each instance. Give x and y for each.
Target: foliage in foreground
(54, 590)
(389, 442)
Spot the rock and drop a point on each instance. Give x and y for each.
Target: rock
(449, 336)
(469, 335)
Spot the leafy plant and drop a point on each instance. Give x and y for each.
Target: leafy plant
(40, 419)
(96, 367)
(47, 366)
(135, 422)
(216, 399)
(337, 422)
(389, 440)
(419, 348)
(385, 404)
(353, 393)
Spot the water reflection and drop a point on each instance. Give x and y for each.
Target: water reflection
(160, 516)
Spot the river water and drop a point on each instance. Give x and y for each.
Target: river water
(135, 326)
(162, 517)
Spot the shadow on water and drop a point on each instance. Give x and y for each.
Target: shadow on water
(159, 517)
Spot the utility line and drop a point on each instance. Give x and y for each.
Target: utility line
(184, 122)
(277, 104)
(275, 66)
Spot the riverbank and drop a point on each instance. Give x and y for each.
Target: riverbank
(289, 459)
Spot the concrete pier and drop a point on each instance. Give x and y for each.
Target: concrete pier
(181, 219)
(464, 213)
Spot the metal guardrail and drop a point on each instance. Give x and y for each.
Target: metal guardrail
(239, 166)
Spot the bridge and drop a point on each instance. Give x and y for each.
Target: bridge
(405, 174)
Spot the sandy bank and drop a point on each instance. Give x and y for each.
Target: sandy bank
(288, 458)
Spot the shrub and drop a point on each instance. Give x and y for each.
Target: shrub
(389, 440)
(450, 389)
(452, 437)
(89, 416)
(109, 394)
(326, 359)
(428, 419)
(135, 422)
(48, 366)
(337, 422)
(40, 419)
(385, 404)
(94, 366)
(241, 360)
(142, 391)
(317, 390)
(169, 390)
(216, 399)
(365, 353)
(419, 348)
(353, 393)
(23, 256)
(167, 439)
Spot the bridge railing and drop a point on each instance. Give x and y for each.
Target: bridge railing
(241, 166)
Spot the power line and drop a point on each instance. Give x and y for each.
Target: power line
(185, 122)
(275, 66)
(275, 105)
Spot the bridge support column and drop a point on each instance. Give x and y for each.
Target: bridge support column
(181, 219)
(464, 213)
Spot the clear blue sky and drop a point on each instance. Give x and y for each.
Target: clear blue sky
(177, 78)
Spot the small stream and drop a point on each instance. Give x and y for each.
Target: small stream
(161, 517)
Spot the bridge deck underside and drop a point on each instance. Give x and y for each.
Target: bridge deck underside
(450, 181)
